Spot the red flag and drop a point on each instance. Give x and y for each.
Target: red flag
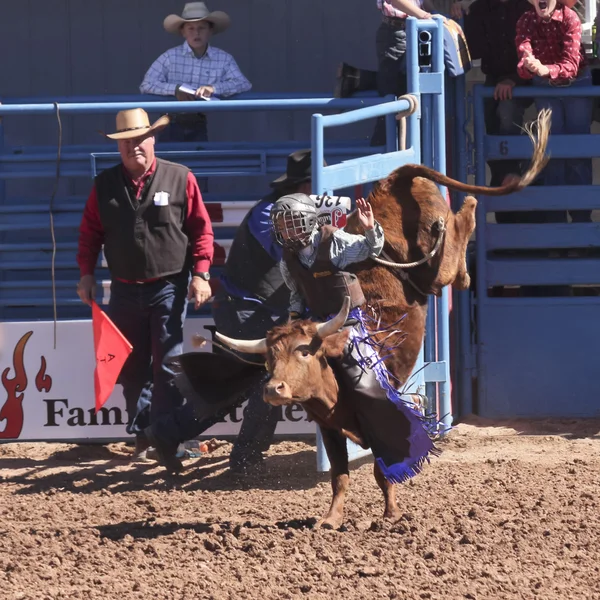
(112, 349)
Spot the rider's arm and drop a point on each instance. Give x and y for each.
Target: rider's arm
(296, 300)
(348, 248)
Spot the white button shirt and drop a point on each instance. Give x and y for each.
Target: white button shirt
(180, 66)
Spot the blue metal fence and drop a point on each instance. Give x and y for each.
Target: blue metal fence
(25, 240)
(535, 342)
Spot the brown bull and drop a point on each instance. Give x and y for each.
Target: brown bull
(409, 207)
(296, 357)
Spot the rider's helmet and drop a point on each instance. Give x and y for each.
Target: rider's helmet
(294, 219)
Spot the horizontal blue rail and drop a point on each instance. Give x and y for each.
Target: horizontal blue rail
(537, 198)
(548, 235)
(529, 91)
(71, 108)
(543, 271)
(559, 146)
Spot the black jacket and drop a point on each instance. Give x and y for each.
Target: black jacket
(490, 29)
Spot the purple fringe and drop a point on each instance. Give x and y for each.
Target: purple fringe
(426, 428)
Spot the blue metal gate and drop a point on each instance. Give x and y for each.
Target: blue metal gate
(426, 144)
(535, 337)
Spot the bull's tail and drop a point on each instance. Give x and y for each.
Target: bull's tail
(539, 160)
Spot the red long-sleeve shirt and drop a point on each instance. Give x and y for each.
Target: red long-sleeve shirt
(197, 226)
(555, 43)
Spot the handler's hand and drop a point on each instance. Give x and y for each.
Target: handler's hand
(199, 291)
(365, 213)
(86, 289)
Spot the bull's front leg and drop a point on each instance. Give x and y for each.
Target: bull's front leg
(337, 452)
(391, 511)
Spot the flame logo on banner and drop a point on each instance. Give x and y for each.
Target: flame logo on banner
(43, 382)
(11, 412)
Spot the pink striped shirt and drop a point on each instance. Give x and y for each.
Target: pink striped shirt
(390, 11)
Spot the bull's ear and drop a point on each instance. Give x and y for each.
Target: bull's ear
(333, 345)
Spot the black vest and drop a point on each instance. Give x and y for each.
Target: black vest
(144, 240)
(251, 269)
(324, 286)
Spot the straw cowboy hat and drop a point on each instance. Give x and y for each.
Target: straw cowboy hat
(197, 11)
(134, 123)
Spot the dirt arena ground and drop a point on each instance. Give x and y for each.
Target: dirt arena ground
(510, 510)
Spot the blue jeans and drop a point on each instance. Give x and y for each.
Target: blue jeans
(245, 320)
(390, 44)
(150, 316)
(242, 319)
(569, 115)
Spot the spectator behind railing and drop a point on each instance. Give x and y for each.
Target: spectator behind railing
(551, 54)
(196, 66)
(490, 28)
(390, 43)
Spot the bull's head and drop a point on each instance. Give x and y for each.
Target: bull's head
(450, 267)
(296, 357)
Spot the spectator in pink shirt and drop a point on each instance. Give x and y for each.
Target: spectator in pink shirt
(550, 54)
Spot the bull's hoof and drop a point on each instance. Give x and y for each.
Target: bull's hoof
(392, 514)
(334, 522)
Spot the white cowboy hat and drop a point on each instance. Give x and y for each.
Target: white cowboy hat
(197, 11)
(134, 123)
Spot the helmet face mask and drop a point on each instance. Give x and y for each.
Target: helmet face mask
(294, 219)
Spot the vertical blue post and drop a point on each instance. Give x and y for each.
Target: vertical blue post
(439, 164)
(317, 151)
(480, 245)
(463, 299)
(427, 159)
(413, 87)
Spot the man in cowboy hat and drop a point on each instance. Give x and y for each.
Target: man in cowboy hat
(195, 65)
(158, 243)
(251, 299)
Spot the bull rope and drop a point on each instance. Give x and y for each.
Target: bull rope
(438, 243)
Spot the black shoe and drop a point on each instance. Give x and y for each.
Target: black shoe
(165, 451)
(348, 80)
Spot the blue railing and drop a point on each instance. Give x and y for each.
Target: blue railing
(555, 343)
(25, 245)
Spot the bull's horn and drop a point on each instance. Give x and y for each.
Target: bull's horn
(335, 324)
(249, 346)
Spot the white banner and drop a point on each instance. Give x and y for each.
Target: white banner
(48, 394)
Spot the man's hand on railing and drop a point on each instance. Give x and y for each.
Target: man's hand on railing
(503, 89)
(86, 289)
